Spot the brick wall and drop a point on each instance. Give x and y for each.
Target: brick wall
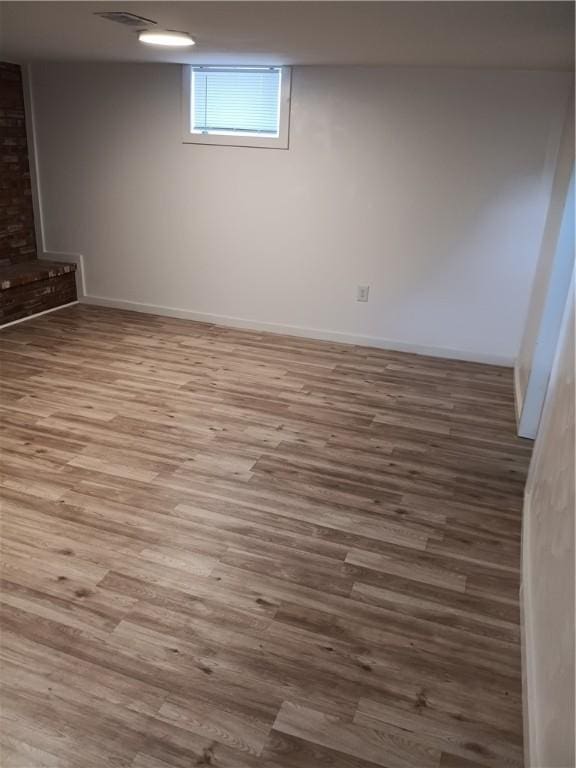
(17, 237)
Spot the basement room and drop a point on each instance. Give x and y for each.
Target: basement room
(287, 398)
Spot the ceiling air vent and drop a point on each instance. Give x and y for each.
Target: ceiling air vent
(123, 17)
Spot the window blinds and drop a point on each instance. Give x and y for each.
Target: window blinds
(236, 100)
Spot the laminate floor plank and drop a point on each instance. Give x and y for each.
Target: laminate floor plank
(235, 549)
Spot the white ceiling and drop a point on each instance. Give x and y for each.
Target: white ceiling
(519, 35)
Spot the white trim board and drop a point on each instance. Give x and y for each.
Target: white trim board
(551, 321)
(518, 395)
(529, 702)
(296, 330)
(38, 314)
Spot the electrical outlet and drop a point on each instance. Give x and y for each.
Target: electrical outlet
(362, 293)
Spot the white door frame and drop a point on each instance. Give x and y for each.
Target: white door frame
(551, 321)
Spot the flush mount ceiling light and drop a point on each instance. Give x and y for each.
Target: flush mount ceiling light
(166, 38)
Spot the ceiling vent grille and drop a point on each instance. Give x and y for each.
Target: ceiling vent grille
(128, 19)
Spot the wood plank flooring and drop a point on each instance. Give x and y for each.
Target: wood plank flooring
(239, 550)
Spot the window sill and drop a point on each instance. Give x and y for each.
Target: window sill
(223, 140)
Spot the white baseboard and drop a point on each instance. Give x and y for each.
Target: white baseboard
(69, 258)
(518, 395)
(529, 702)
(38, 314)
(296, 330)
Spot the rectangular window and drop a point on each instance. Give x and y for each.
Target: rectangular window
(240, 106)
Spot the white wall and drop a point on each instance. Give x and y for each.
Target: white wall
(429, 185)
(548, 570)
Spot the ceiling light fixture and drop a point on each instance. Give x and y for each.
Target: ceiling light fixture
(166, 38)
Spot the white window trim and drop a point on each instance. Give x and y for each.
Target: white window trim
(235, 140)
